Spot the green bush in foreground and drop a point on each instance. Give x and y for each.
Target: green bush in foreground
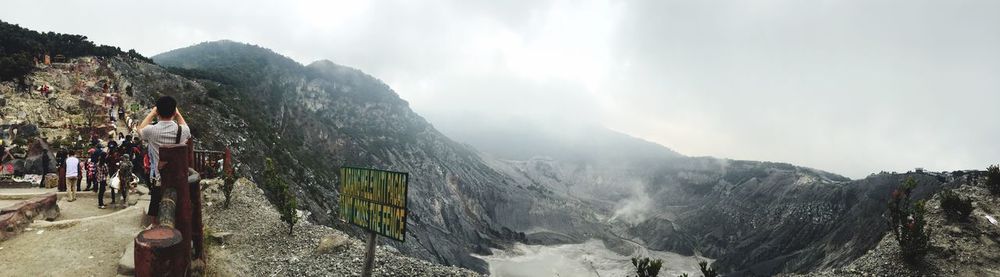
(906, 221)
(284, 198)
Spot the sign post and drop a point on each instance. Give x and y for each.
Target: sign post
(374, 200)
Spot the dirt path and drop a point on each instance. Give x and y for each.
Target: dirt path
(90, 248)
(83, 207)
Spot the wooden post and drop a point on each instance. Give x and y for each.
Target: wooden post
(370, 255)
(62, 177)
(174, 175)
(197, 232)
(156, 250)
(190, 151)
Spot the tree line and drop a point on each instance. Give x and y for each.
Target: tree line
(19, 47)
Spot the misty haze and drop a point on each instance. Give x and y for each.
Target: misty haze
(511, 138)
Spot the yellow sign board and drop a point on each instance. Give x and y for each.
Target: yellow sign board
(374, 200)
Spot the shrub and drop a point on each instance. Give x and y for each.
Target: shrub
(284, 199)
(993, 179)
(906, 221)
(227, 186)
(707, 270)
(646, 267)
(954, 206)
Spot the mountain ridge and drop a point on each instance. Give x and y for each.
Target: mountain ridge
(752, 217)
(467, 202)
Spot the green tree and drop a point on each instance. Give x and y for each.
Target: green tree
(707, 270)
(955, 207)
(228, 181)
(993, 179)
(646, 267)
(906, 221)
(284, 198)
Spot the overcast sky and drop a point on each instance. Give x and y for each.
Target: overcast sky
(851, 87)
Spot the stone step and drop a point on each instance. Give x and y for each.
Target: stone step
(126, 265)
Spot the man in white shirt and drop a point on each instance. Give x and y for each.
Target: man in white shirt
(72, 174)
(165, 131)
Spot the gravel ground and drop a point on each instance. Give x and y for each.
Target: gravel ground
(969, 248)
(260, 244)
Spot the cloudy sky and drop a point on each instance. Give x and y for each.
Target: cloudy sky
(852, 87)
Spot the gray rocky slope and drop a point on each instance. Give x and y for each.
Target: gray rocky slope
(752, 217)
(249, 239)
(969, 247)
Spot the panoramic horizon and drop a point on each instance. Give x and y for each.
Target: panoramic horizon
(848, 87)
(510, 139)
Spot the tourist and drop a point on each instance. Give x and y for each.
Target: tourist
(90, 166)
(100, 176)
(125, 177)
(112, 168)
(137, 155)
(121, 113)
(112, 143)
(72, 175)
(165, 131)
(45, 167)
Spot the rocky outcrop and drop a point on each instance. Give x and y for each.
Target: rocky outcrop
(958, 248)
(258, 244)
(14, 218)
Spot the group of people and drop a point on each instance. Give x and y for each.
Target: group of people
(124, 158)
(110, 166)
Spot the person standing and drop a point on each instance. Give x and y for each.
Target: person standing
(88, 165)
(72, 175)
(165, 131)
(45, 166)
(112, 144)
(121, 113)
(125, 177)
(100, 176)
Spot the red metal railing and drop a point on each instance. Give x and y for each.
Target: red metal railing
(208, 162)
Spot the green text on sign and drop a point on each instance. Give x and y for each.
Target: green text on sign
(375, 200)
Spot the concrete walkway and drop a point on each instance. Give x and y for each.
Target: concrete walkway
(84, 241)
(89, 246)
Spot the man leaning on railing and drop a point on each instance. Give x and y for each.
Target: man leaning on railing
(165, 131)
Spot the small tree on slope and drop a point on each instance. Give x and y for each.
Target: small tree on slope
(284, 199)
(646, 267)
(906, 221)
(706, 270)
(228, 181)
(993, 179)
(955, 207)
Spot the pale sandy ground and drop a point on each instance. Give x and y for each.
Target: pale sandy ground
(91, 247)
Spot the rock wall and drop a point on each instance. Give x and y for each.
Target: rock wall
(14, 218)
